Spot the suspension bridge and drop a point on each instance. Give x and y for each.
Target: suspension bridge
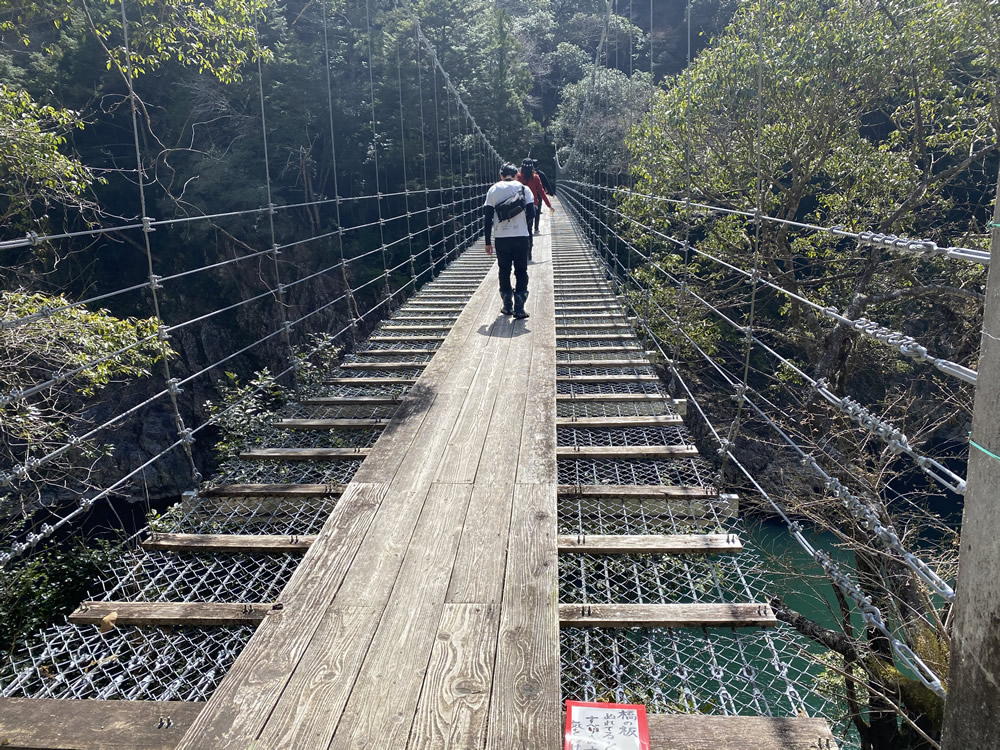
(513, 512)
(457, 520)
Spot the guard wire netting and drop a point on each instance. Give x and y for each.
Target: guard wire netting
(723, 671)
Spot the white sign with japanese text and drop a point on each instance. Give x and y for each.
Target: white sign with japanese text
(605, 726)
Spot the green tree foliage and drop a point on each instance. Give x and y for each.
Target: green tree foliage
(595, 118)
(65, 358)
(34, 170)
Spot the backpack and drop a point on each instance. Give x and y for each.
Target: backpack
(511, 207)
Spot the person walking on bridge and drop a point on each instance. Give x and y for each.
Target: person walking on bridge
(529, 178)
(546, 183)
(511, 206)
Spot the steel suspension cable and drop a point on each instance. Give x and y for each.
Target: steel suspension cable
(378, 188)
(905, 345)
(279, 292)
(182, 430)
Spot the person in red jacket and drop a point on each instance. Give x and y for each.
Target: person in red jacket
(530, 179)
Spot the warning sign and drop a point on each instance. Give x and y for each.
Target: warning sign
(605, 726)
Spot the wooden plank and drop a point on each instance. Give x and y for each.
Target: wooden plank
(699, 732)
(195, 614)
(369, 381)
(482, 555)
(652, 421)
(611, 397)
(443, 387)
(393, 671)
(588, 349)
(478, 573)
(307, 711)
(525, 709)
(608, 379)
(381, 365)
(605, 363)
(468, 438)
(394, 352)
(352, 401)
(454, 700)
(666, 615)
(235, 714)
(311, 704)
(47, 724)
(406, 339)
(537, 460)
(625, 451)
(635, 490)
(306, 454)
(330, 424)
(661, 544)
(278, 490)
(229, 542)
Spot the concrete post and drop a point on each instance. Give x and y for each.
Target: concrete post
(972, 710)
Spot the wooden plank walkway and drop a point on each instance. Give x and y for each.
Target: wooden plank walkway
(424, 614)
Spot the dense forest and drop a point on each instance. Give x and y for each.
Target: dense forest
(878, 115)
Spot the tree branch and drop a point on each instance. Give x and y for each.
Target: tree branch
(831, 639)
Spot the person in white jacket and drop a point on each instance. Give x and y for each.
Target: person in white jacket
(509, 210)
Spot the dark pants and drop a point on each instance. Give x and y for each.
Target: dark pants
(513, 251)
(538, 214)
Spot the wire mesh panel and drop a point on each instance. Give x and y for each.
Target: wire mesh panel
(126, 663)
(623, 515)
(644, 408)
(623, 436)
(270, 471)
(423, 317)
(585, 343)
(567, 358)
(717, 672)
(568, 371)
(400, 346)
(690, 472)
(352, 438)
(651, 579)
(154, 576)
(576, 330)
(403, 356)
(568, 386)
(351, 391)
(357, 372)
(300, 514)
(337, 411)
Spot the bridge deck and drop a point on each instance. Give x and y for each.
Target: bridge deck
(426, 611)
